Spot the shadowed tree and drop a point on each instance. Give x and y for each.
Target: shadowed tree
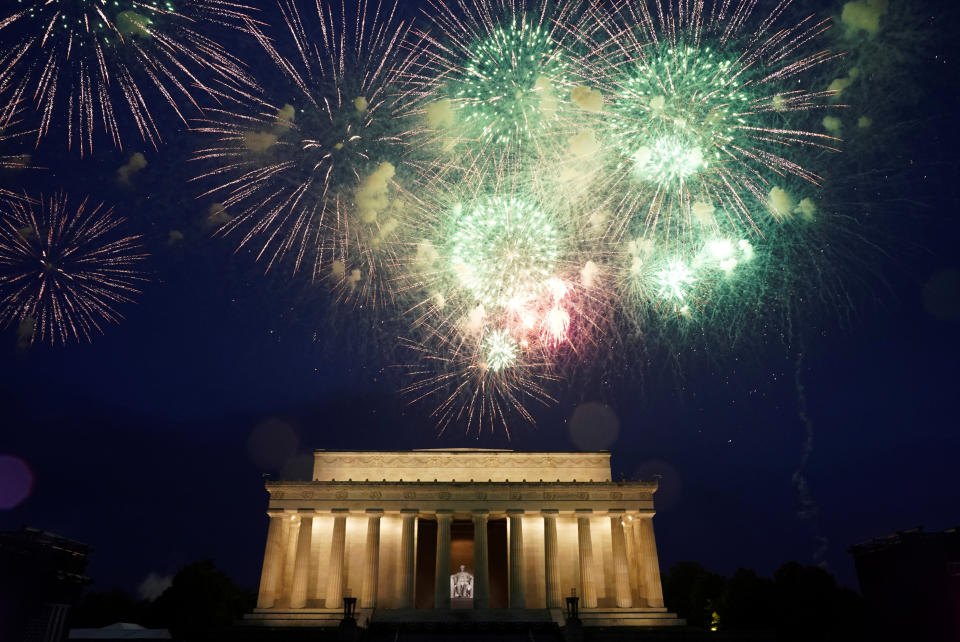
(200, 599)
(692, 592)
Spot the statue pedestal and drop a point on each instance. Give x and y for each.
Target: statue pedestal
(461, 602)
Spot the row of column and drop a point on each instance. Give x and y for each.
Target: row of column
(631, 540)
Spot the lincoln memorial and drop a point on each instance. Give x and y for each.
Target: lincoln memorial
(432, 533)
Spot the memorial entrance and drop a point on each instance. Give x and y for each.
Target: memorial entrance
(421, 533)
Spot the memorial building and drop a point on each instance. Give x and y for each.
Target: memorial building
(430, 533)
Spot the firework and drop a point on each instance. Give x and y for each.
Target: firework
(477, 381)
(494, 81)
(87, 66)
(305, 169)
(64, 269)
(502, 290)
(706, 106)
(11, 133)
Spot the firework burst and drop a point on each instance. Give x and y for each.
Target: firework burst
(476, 381)
(63, 269)
(86, 65)
(706, 106)
(501, 289)
(305, 167)
(493, 82)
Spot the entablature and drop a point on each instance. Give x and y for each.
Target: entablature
(463, 497)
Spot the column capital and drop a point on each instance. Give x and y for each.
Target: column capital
(584, 512)
(340, 512)
(374, 512)
(515, 511)
(480, 512)
(617, 511)
(306, 512)
(275, 512)
(409, 512)
(444, 513)
(646, 514)
(549, 512)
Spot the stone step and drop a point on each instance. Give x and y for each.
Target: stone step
(293, 617)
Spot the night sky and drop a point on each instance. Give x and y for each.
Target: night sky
(150, 443)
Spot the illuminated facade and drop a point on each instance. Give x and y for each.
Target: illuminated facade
(393, 528)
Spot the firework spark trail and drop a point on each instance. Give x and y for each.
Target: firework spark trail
(68, 58)
(310, 176)
(809, 509)
(63, 269)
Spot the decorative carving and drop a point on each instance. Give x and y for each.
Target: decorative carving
(583, 496)
(277, 494)
(482, 494)
(376, 494)
(340, 494)
(514, 494)
(616, 495)
(307, 494)
(549, 495)
(444, 494)
(409, 494)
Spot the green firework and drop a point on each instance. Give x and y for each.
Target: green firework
(500, 350)
(505, 88)
(677, 112)
(674, 281)
(504, 249)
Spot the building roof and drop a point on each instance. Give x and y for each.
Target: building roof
(120, 631)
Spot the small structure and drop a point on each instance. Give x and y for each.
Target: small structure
(391, 526)
(120, 631)
(910, 581)
(41, 578)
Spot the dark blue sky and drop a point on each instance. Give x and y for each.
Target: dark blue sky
(149, 443)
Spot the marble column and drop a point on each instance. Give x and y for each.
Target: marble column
(588, 587)
(334, 598)
(551, 570)
(481, 567)
(621, 570)
(517, 597)
(371, 568)
(301, 564)
(405, 576)
(291, 533)
(650, 565)
(272, 559)
(441, 588)
(631, 554)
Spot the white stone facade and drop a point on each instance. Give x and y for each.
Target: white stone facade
(354, 531)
